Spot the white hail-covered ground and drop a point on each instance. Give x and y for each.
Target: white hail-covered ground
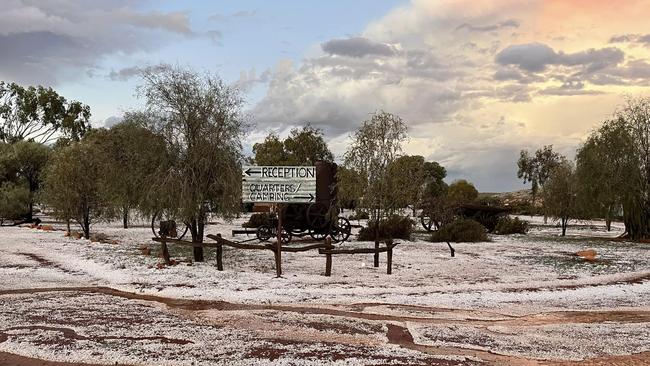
(520, 296)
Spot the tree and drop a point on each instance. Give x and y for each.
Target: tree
(604, 178)
(73, 187)
(375, 145)
(201, 121)
(462, 191)
(635, 117)
(135, 157)
(306, 146)
(22, 164)
(271, 151)
(406, 180)
(14, 201)
(351, 186)
(560, 194)
(536, 169)
(434, 175)
(303, 146)
(39, 114)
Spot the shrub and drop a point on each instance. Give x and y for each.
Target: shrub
(257, 220)
(394, 227)
(461, 230)
(14, 201)
(359, 215)
(508, 225)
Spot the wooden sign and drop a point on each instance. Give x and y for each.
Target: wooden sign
(279, 184)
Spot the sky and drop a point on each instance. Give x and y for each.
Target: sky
(475, 81)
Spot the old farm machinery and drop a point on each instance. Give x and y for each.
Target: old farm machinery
(318, 217)
(434, 215)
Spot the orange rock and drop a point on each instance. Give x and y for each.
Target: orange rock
(47, 227)
(589, 254)
(145, 250)
(67, 233)
(77, 235)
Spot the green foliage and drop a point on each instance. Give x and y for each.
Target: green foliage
(392, 227)
(434, 175)
(507, 225)
(462, 191)
(134, 157)
(537, 169)
(39, 114)
(201, 120)
(560, 194)
(14, 201)
(461, 230)
(303, 146)
(375, 146)
(257, 220)
(406, 180)
(73, 185)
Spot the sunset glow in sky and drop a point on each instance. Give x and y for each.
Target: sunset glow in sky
(476, 81)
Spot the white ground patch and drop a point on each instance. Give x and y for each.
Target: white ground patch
(509, 276)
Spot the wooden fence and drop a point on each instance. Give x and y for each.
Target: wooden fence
(326, 248)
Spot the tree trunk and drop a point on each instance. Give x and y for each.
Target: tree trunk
(197, 237)
(125, 217)
(67, 224)
(86, 225)
(30, 212)
(564, 222)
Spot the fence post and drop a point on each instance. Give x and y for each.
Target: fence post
(219, 253)
(328, 256)
(376, 262)
(165, 251)
(278, 244)
(389, 257)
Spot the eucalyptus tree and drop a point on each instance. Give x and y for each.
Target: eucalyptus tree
(201, 120)
(39, 114)
(560, 194)
(536, 168)
(74, 185)
(303, 146)
(375, 146)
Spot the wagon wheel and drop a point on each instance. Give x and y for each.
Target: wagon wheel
(427, 222)
(160, 216)
(317, 234)
(317, 215)
(341, 230)
(264, 233)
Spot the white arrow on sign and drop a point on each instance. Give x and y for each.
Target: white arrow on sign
(279, 184)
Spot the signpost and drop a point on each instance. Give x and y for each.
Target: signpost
(279, 185)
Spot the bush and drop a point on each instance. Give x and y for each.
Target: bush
(359, 215)
(508, 225)
(14, 201)
(257, 220)
(461, 230)
(394, 227)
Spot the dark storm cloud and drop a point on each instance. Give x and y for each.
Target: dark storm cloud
(42, 42)
(357, 47)
(535, 57)
(510, 23)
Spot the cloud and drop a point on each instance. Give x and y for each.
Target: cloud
(632, 38)
(124, 74)
(535, 57)
(357, 47)
(510, 23)
(44, 42)
(236, 15)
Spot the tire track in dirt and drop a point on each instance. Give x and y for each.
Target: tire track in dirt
(399, 334)
(547, 318)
